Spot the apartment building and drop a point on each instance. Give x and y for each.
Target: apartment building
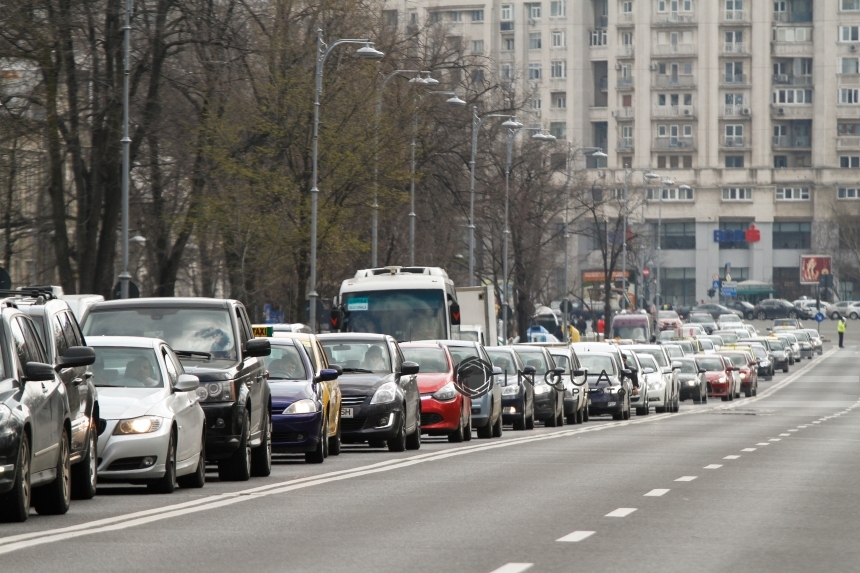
(755, 105)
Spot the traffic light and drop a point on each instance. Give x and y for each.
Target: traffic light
(711, 292)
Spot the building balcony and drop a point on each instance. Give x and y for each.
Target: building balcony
(792, 48)
(848, 111)
(674, 143)
(623, 113)
(674, 19)
(674, 111)
(735, 17)
(674, 82)
(736, 111)
(792, 142)
(625, 144)
(625, 19)
(735, 79)
(796, 111)
(848, 142)
(507, 26)
(598, 113)
(675, 50)
(792, 17)
(792, 80)
(625, 51)
(736, 48)
(625, 83)
(735, 141)
(848, 79)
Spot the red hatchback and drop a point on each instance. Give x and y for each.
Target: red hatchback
(668, 320)
(718, 372)
(444, 411)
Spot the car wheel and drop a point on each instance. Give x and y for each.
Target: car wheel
(15, 503)
(456, 436)
(704, 398)
(54, 498)
(761, 315)
(551, 422)
(85, 472)
(318, 455)
(398, 442)
(785, 368)
(748, 392)
(559, 418)
(749, 315)
(755, 390)
(853, 316)
(659, 409)
(572, 419)
(497, 427)
(485, 432)
(334, 443)
(467, 429)
(834, 316)
(376, 443)
(238, 466)
(520, 421)
(167, 482)
(643, 411)
(198, 478)
(530, 421)
(725, 398)
(413, 440)
(261, 456)
(585, 413)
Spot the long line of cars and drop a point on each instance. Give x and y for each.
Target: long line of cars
(152, 391)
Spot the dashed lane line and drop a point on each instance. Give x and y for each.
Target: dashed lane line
(576, 536)
(686, 478)
(731, 457)
(621, 512)
(657, 492)
(713, 466)
(748, 450)
(513, 568)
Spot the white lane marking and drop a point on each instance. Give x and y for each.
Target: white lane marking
(775, 440)
(657, 492)
(792, 430)
(748, 450)
(713, 466)
(576, 536)
(785, 434)
(762, 444)
(687, 478)
(816, 422)
(621, 512)
(513, 568)
(731, 457)
(801, 427)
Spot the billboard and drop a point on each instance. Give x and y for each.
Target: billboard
(812, 267)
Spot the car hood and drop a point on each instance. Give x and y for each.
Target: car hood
(683, 377)
(208, 373)
(714, 375)
(124, 403)
(285, 392)
(430, 382)
(351, 384)
(593, 381)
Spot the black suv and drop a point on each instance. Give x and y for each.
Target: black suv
(35, 420)
(214, 341)
(778, 308)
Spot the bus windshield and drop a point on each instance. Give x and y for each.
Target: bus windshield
(406, 314)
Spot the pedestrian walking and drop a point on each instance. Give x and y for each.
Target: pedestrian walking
(581, 326)
(840, 329)
(600, 325)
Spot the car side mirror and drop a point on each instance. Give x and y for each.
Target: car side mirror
(730, 369)
(38, 372)
(702, 370)
(186, 383)
(497, 371)
(336, 367)
(327, 375)
(76, 356)
(409, 368)
(627, 372)
(558, 371)
(529, 370)
(258, 347)
(579, 373)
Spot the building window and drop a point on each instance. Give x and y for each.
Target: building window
(792, 194)
(849, 161)
(849, 96)
(390, 17)
(848, 193)
(558, 8)
(678, 236)
(849, 33)
(674, 161)
(792, 235)
(535, 103)
(558, 129)
(734, 161)
(435, 17)
(477, 15)
(534, 71)
(790, 34)
(455, 16)
(559, 100)
(534, 11)
(558, 69)
(850, 5)
(737, 194)
(734, 135)
(627, 7)
(507, 72)
(790, 97)
(780, 161)
(559, 39)
(734, 226)
(509, 45)
(534, 41)
(477, 46)
(478, 77)
(669, 194)
(848, 65)
(678, 285)
(737, 273)
(507, 12)
(851, 129)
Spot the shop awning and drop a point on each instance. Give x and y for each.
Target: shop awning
(751, 288)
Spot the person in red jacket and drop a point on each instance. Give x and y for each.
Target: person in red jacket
(600, 325)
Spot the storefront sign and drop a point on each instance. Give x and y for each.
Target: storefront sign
(598, 276)
(751, 235)
(812, 267)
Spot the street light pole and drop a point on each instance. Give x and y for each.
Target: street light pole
(476, 125)
(628, 173)
(681, 187)
(125, 276)
(323, 50)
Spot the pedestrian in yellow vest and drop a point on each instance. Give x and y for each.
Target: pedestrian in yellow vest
(572, 333)
(840, 329)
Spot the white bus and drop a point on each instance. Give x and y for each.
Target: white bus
(408, 303)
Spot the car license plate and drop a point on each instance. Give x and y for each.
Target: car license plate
(346, 412)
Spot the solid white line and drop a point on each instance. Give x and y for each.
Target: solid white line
(731, 457)
(621, 512)
(513, 568)
(576, 536)
(713, 466)
(686, 478)
(748, 450)
(657, 492)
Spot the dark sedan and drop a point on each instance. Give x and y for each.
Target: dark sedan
(548, 389)
(703, 319)
(744, 307)
(715, 310)
(518, 397)
(380, 399)
(778, 308)
(694, 385)
(608, 386)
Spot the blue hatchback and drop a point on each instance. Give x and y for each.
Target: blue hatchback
(298, 420)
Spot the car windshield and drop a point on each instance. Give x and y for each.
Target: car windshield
(362, 356)
(597, 363)
(460, 353)
(284, 363)
(758, 351)
(535, 359)
(667, 335)
(706, 344)
(801, 336)
(729, 337)
(742, 334)
(429, 360)
(121, 367)
(656, 353)
(193, 333)
(813, 334)
(648, 363)
(630, 332)
(729, 318)
(504, 360)
(737, 359)
(776, 345)
(470, 335)
(407, 314)
(687, 346)
(674, 351)
(562, 361)
(785, 322)
(667, 314)
(791, 338)
(711, 364)
(687, 367)
(701, 318)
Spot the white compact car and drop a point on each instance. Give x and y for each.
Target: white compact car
(153, 428)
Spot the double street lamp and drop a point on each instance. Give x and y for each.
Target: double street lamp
(368, 52)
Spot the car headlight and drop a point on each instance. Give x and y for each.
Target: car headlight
(142, 425)
(5, 414)
(655, 385)
(385, 393)
(215, 392)
(541, 389)
(512, 390)
(446, 392)
(765, 363)
(722, 379)
(304, 406)
(743, 375)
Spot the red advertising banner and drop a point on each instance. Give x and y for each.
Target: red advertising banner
(812, 267)
(598, 276)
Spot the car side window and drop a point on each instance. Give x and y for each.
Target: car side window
(244, 335)
(26, 343)
(172, 373)
(396, 357)
(311, 355)
(59, 336)
(20, 342)
(71, 338)
(322, 355)
(76, 329)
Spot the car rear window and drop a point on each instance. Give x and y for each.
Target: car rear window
(712, 364)
(597, 363)
(535, 359)
(429, 360)
(656, 353)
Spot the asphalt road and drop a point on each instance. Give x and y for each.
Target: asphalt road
(759, 484)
